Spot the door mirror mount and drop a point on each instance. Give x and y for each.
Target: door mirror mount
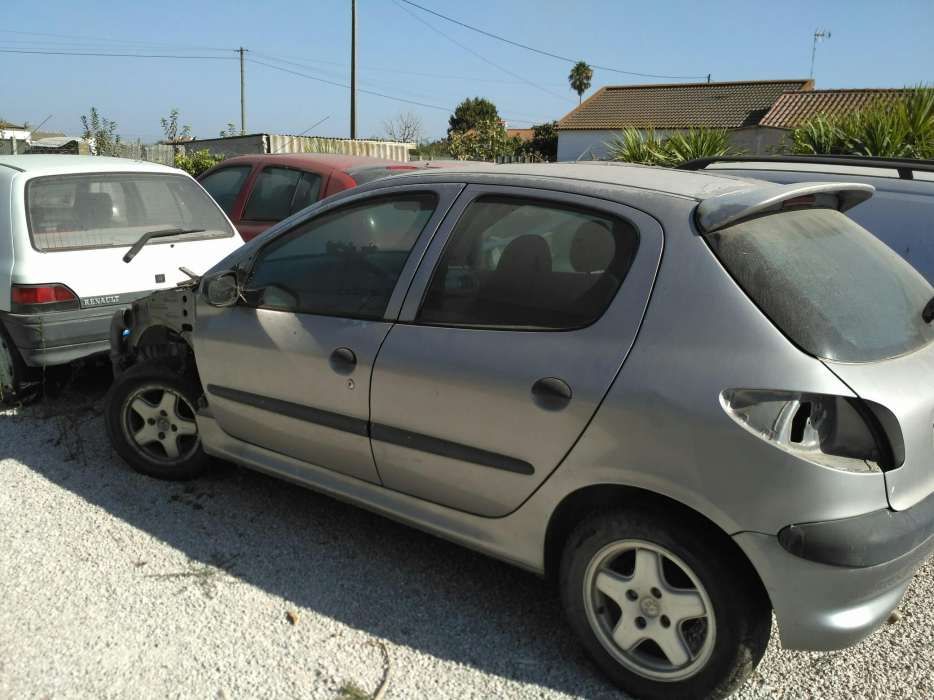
(222, 290)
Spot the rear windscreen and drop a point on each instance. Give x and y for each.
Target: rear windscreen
(832, 287)
(104, 210)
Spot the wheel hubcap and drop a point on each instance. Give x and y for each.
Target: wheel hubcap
(160, 423)
(649, 610)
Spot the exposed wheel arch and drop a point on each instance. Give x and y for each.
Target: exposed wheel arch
(585, 501)
(162, 343)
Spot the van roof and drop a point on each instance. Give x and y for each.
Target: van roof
(60, 163)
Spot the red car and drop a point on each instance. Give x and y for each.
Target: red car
(256, 191)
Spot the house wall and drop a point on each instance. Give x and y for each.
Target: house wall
(573, 144)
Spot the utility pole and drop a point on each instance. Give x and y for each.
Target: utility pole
(241, 51)
(353, 69)
(819, 34)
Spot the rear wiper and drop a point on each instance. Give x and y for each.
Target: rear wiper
(146, 237)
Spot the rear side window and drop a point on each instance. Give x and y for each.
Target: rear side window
(224, 185)
(103, 210)
(306, 192)
(343, 263)
(521, 264)
(271, 199)
(831, 286)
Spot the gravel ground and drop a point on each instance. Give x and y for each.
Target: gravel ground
(116, 585)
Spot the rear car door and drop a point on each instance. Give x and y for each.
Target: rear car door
(518, 320)
(277, 193)
(288, 368)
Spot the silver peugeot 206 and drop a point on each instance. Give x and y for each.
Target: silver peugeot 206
(691, 400)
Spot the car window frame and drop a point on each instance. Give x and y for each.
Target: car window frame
(644, 224)
(248, 196)
(233, 214)
(321, 184)
(446, 194)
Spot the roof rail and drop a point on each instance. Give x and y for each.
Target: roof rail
(724, 210)
(906, 167)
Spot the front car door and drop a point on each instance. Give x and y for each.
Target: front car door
(517, 323)
(288, 368)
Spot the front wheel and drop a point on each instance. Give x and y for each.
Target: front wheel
(150, 418)
(663, 606)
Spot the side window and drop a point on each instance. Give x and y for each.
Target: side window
(272, 194)
(306, 193)
(519, 263)
(224, 185)
(343, 263)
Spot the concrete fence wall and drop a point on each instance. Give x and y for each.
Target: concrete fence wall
(281, 143)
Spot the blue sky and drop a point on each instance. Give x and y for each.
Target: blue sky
(873, 44)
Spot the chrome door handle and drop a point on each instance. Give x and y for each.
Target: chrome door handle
(343, 361)
(551, 393)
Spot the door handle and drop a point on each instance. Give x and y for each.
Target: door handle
(551, 393)
(343, 360)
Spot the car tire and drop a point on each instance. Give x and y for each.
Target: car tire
(13, 370)
(702, 615)
(150, 420)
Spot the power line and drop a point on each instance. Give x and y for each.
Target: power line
(547, 53)
(106, 40)
(479, 55)
(121, 55)
(368, 92)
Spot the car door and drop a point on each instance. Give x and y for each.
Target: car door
(277, 193)
(225, 185)
(518, 320)
(288, 368)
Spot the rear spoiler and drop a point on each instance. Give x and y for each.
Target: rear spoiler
(727, 209)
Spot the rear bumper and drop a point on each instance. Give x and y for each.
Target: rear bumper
(60, 337)
(834, 590)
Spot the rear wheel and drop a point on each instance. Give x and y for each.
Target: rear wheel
(12, 370)
(150, 419)
(663, 606)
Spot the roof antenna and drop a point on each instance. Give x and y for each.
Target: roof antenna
(819, 35)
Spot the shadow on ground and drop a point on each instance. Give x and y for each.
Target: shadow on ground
(343, 562)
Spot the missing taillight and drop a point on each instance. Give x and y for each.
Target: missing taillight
(841, 432)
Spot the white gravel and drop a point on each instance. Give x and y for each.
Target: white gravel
(113, 585)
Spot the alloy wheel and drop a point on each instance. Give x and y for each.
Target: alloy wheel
(160, 423)
(649, 610)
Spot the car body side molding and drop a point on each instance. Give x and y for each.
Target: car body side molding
(383, 433)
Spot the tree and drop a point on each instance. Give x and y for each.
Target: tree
(579, 78)
(405, 127)
(231, 130)
(487, 141)
(170, 127)
(471, 113)
(544, 142)
(100, 133)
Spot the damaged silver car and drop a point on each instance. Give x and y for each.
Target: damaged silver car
(690, 400)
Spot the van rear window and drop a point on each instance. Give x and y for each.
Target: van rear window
(109, 210)
(832, 287)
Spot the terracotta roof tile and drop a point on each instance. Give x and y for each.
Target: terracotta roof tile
(680, 106)
(793, 108)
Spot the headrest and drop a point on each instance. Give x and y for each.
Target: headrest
(527, 253)
(592, 248)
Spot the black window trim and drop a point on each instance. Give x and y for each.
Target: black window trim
(363, 199)
(263, 169)
(250, 167)
(170, 240)
(551, 198)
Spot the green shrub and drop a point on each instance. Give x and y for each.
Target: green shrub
(196, 163)
(896, 128)
(647, 148)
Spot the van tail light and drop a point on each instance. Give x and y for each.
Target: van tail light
(28, 298)
(840, 432)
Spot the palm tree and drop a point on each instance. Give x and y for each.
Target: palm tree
(579, 78)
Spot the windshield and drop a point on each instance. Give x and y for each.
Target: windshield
(833, 288)
(106, 210)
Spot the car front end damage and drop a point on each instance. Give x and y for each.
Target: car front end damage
(156, 326)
